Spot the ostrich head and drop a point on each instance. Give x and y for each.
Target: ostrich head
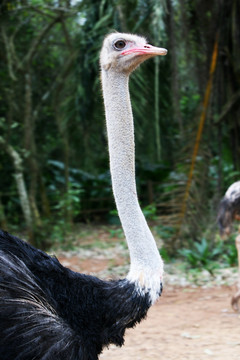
(229, 209)
(124, 52)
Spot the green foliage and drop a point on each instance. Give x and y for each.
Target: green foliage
(150, 212)
(113, 217)
(118, 232)
(97, 244)
(69, 202)
(202, 255)
(66, 208)
(164, 254)
(165, 232)
(188, 105)
(230, 254)
(58, 129)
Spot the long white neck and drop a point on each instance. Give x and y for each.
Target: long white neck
(146, 264)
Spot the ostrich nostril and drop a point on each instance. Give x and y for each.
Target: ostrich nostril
(147, 46)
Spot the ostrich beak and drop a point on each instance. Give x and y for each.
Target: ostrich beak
(146, 49)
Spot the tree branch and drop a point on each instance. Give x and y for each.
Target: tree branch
(37, 42)
(227, 107)
(66, 34)
(59, 80)
(46, 7)
(41, 12)
(17, 162)
(9, 54)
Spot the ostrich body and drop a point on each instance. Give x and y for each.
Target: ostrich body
(229, 210)
(48, 311)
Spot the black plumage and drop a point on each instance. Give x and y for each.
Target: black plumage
(50, 312)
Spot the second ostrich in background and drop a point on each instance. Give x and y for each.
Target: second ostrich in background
(229, 210)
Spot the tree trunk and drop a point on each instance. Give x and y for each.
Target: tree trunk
(157, 115)
(21, 187)
(44, 199)
(174, 66)
(3, 220)
(30, 146)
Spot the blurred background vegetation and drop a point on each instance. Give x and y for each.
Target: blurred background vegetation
(54, 169)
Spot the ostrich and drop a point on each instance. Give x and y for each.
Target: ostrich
(229, 210)
(48, 311)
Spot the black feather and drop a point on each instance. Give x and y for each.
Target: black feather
(50, 312)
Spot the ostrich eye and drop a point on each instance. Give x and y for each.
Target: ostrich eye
(119, 45)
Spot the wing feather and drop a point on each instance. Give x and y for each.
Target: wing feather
(30, 327)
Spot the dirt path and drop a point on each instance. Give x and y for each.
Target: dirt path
(186, 324)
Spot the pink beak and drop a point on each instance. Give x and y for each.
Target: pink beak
(145, 49)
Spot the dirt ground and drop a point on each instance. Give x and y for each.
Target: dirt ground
(187, 323)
